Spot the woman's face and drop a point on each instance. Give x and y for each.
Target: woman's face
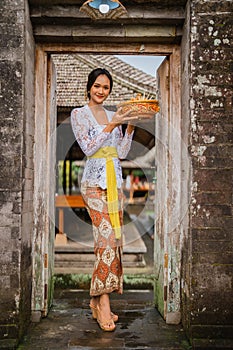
(100, 90)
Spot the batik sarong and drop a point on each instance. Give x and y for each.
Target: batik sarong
(107, 275)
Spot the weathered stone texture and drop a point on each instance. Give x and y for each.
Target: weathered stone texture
(10, 181)
(210, 294)
(16, 174)
(206, 230)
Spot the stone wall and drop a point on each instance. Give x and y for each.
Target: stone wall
(16, 176)
(186, 171)
(207, 296)
(206, 229)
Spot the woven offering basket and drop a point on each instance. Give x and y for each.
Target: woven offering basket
(143, 109)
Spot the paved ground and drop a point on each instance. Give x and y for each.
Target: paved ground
(69, 325)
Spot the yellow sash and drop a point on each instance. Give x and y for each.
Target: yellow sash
(112, 193)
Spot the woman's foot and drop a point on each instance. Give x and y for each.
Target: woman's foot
(106, 325)
(104, 316)
(93, 305)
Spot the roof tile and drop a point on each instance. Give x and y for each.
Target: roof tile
(73, 70)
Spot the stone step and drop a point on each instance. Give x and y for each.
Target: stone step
(80, 254)
(83, 260)
(132, 242)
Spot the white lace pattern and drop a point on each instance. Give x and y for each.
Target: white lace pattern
(90, 137)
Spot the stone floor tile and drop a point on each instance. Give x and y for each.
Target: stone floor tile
(69, 326)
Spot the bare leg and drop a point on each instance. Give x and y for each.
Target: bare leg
(94, 301)
(104, 313)
(104, 307)
(93, 304)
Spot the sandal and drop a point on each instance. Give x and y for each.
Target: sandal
(106, 325)
(94, 313)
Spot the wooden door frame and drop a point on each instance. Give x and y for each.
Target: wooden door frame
(169, 213)
(44, 185)
(43, 51)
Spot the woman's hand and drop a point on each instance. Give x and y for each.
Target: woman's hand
(122, 118)
(119, 117)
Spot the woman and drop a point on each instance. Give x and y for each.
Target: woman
(99, 134)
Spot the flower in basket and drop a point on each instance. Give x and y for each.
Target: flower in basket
(142, 107)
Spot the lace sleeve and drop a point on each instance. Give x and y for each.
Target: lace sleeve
(124, 145)
(89, 136)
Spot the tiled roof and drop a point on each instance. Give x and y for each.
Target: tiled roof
(73, 69)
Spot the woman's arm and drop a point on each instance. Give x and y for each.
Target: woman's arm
(89, 138)
(125, 142)
(130, 128)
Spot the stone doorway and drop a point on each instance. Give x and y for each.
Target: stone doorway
(74, 238)
(202, 28)
(168, 140)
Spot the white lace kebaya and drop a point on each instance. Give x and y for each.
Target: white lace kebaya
(91, 137)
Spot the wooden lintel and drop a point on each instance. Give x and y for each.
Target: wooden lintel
(132, 33)
(68, 14)
(141, 31)
(108, 48)
(160, 3)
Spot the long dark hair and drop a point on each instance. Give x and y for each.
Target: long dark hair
(94, 75)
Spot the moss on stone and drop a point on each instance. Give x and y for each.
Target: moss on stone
(82, 281)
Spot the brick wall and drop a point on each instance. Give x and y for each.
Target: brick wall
(208, 307)
(16, 175)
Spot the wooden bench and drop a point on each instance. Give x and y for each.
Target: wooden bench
(61, 202)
